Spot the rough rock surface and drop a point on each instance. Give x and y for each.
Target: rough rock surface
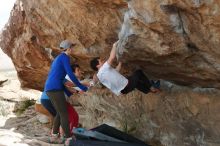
(176, 40)
(178, 116)
(36, 28)
(179, 37)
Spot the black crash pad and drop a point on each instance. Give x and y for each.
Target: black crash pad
(101, 143)
(113, 132)
(126, 140)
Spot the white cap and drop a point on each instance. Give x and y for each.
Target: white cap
(66, 44)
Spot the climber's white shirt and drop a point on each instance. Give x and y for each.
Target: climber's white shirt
(111, 78)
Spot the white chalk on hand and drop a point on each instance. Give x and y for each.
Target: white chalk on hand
(91, 83)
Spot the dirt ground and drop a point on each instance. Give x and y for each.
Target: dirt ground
(19, 123)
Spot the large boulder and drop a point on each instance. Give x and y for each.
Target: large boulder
(177, 40)
(36, 28)
(178, 116)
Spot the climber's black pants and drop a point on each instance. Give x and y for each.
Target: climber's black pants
(139, 81)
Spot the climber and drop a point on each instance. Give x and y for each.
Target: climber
(117, 83)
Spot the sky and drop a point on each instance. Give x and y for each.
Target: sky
(5, 8)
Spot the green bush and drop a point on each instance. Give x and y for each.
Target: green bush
(21, 106)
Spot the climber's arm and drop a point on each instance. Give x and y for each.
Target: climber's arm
(112, 54)
(118, 67)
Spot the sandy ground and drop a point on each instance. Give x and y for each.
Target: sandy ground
(19, 129)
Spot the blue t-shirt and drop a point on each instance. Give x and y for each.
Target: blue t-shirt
(66, 91)
(44, 96)
(59, 68)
